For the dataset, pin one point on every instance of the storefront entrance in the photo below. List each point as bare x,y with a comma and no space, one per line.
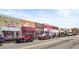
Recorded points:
39,32
10,33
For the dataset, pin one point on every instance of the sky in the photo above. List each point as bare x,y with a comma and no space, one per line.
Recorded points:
66,18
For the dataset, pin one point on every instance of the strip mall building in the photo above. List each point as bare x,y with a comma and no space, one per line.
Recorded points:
49,29
15,27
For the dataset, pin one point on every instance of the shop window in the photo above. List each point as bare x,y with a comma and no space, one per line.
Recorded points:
42,32
46,32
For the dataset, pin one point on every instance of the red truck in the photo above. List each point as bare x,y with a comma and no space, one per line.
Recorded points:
27,35
25,38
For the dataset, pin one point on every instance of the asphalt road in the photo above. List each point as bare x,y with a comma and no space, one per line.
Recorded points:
13,45
70,42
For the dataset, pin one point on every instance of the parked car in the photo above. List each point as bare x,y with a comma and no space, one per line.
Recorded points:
1,39
25,38
43,37
69,34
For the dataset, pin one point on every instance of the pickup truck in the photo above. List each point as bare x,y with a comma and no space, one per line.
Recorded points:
25,38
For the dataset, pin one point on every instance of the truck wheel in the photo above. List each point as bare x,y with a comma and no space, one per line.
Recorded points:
17,41
25,41
39,38
22,40
1,43
31,40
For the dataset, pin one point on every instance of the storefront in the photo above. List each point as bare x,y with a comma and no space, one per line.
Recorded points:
39,29
47,28
9,27
51,31
10,32
55,30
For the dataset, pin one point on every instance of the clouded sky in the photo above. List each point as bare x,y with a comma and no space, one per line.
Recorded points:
60,17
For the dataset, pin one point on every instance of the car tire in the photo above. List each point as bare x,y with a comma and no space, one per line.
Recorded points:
0,44
17,41
40,39
31,40
22,41
25,41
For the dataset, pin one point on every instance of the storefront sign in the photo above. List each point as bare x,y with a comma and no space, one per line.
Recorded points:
11,25
9,29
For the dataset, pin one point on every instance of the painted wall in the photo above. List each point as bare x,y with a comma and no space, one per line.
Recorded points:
7,21
26,23
47,27
2,20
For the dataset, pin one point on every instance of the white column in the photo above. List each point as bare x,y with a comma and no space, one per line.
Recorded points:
14,34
